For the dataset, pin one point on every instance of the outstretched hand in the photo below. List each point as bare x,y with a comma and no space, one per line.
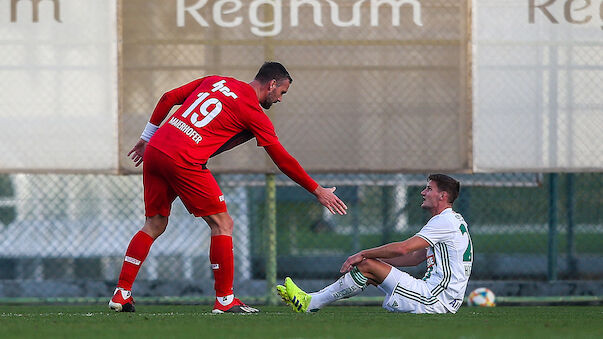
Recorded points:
329,200
137,152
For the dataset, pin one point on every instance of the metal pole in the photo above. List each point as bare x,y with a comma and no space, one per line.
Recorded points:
553,163
271,262
552,246
355,222
271,297
571,246
387,198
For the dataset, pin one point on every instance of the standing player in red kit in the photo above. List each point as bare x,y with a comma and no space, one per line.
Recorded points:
216,114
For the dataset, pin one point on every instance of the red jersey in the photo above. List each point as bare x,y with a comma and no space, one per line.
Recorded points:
217,113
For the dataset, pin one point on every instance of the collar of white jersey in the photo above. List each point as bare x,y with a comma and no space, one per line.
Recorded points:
447,210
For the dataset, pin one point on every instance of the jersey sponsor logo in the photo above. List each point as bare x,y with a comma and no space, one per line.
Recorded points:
219,86
430,266
215,266
430,260
221,198
467,270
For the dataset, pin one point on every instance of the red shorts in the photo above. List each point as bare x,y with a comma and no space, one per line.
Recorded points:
164,180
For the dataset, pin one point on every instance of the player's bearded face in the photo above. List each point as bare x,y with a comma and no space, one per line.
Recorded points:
275,94
270,99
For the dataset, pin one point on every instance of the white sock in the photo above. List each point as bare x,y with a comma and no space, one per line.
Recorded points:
349,285
226,300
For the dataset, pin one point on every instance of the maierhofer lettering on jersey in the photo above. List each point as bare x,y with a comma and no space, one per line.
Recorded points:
186,129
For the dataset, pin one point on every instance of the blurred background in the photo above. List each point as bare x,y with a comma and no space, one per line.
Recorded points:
504,95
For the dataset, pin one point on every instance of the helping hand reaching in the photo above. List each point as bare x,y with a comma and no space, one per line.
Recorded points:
329,200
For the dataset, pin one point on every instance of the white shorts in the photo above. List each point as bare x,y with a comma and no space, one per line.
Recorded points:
404,293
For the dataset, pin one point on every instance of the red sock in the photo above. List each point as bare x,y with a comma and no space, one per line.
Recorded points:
135,255
222,264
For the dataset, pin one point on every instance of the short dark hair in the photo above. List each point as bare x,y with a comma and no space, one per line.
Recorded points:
447,184
272,70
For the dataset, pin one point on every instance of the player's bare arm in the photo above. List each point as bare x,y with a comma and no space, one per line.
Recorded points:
411,259
387,251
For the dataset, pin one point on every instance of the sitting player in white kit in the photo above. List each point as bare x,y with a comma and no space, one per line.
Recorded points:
445,244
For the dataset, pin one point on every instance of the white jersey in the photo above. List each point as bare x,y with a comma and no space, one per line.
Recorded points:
449,257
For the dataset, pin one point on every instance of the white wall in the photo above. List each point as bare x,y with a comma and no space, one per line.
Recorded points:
538,86
59,86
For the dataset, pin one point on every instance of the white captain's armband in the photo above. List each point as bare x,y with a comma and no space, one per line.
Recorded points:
148,132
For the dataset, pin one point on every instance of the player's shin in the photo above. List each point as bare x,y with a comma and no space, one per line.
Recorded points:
137,252
222,261
349,285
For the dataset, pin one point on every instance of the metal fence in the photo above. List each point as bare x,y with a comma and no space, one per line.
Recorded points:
506,87
368,78
536,86
65,235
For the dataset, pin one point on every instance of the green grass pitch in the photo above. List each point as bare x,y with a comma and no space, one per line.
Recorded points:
195,321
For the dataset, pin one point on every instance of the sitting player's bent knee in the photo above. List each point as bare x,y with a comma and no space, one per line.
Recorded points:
374,270
366,266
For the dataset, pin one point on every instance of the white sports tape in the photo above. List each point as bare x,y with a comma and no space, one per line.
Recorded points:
148,132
